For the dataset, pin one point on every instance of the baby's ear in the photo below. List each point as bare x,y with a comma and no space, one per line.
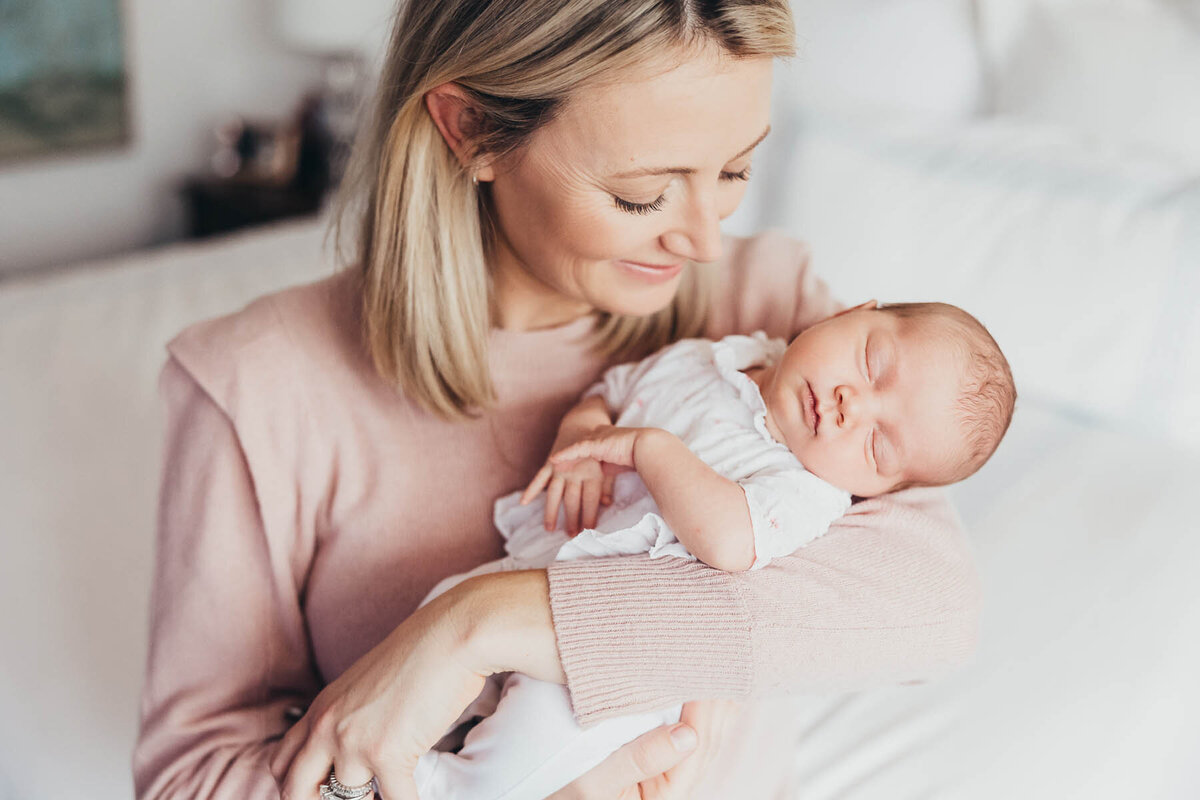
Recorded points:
867,306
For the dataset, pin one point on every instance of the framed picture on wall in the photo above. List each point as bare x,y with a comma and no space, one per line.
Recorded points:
62,77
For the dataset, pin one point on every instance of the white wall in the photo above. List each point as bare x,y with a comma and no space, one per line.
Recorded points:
190,63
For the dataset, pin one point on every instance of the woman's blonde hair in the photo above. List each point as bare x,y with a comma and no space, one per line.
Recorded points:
423,228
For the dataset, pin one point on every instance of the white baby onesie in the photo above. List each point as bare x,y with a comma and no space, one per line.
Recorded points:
530,745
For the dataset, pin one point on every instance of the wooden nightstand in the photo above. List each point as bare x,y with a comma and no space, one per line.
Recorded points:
219,206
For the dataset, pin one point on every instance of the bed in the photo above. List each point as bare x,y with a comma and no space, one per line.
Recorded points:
1072,233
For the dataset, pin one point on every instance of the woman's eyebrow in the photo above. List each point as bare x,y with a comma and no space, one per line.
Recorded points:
644,171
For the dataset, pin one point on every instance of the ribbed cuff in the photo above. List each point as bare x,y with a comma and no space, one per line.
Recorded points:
637,633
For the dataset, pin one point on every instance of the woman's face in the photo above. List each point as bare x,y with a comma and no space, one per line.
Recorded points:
609,201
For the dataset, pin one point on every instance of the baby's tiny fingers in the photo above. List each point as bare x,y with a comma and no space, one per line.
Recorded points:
606,489
553,498
571,506
590,502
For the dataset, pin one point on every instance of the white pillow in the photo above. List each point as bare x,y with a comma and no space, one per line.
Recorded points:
916,57
1082,261
1125,70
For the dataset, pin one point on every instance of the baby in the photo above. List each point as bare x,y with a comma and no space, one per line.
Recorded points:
733,452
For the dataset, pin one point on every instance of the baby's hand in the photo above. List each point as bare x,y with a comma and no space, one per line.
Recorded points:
610,445
580,485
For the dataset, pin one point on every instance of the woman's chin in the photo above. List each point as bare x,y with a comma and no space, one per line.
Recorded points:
629,296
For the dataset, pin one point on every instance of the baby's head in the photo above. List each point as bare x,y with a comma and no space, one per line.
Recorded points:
877,399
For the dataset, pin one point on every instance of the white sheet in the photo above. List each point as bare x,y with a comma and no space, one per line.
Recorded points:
80,443
1084,686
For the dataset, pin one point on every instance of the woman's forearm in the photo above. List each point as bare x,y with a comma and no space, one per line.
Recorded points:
506,624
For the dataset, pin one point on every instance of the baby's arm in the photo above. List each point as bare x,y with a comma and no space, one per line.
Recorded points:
707,512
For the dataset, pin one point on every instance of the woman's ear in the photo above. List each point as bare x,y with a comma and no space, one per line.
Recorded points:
456,118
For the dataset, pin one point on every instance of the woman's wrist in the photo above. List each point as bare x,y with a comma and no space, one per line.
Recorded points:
505,625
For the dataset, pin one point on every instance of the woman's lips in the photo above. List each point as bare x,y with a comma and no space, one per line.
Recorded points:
652,273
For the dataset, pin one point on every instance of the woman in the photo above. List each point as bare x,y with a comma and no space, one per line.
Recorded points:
540,194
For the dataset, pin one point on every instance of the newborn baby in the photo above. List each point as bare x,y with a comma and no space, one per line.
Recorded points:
732,452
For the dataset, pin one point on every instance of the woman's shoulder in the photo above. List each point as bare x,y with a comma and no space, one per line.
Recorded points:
279,342
766,282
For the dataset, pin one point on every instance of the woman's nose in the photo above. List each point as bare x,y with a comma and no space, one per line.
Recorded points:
698,236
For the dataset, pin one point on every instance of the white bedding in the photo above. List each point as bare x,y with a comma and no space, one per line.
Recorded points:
1082,255
1084,685
80,441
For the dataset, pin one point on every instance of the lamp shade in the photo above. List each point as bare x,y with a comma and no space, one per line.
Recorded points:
335,26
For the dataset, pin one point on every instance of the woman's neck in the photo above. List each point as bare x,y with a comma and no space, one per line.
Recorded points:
520,302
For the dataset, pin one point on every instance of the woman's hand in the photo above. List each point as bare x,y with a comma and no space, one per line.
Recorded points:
396,701
657,765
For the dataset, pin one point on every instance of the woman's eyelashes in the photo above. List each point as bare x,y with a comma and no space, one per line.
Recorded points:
641,208
631,207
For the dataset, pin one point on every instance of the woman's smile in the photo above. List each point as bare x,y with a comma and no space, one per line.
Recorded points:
652,273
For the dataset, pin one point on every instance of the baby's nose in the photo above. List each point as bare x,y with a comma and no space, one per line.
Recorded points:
849,405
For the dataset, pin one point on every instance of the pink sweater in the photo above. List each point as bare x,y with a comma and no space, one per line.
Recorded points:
306,508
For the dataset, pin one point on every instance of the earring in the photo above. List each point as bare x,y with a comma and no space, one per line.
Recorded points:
475,180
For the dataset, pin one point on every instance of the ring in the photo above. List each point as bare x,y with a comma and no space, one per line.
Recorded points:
336,790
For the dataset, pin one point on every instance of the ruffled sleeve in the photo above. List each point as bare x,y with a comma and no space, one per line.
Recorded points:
789,507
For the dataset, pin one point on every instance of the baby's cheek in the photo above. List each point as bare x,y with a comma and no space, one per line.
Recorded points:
834,463
820,458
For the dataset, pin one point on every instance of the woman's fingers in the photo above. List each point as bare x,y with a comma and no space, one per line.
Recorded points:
647,756
710,719
402,788
351,772
291,743
308,771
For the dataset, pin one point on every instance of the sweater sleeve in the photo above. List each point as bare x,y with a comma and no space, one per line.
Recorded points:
228,652
889,594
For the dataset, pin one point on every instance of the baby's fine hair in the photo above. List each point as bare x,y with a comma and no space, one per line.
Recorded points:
985,405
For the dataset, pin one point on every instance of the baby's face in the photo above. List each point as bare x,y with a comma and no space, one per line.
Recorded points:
866,400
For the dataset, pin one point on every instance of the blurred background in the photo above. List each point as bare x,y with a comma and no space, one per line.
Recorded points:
120,120
1034,161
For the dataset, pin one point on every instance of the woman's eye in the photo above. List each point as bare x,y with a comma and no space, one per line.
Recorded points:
640,208
744,175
